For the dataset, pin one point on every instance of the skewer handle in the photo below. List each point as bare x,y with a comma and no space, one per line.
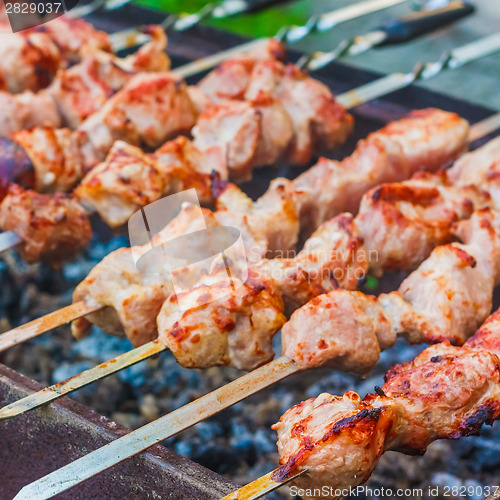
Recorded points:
424,21
45,323
423,71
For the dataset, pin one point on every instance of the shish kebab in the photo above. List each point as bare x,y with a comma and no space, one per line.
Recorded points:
464,276
129,178
392,154
83,90
77,92
446,392
30,59
337,255
370,91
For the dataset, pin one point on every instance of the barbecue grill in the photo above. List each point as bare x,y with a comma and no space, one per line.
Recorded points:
237,443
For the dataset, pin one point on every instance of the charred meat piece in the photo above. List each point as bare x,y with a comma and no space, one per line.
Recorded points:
446,392
53,228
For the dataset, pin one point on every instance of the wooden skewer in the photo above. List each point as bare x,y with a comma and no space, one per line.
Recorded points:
263,485
162,428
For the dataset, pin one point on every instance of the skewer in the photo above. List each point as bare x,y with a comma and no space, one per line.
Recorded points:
483,344
183,418
49,321
413,26
351,98
391,32
449,60
157,431
87,377
224,9
424,23
263,485
325,22
86,10
83,379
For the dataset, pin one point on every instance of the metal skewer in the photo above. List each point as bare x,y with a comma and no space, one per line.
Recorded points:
224,9
391,32
162,428
87,9
263,485
409,24
291,34
385,85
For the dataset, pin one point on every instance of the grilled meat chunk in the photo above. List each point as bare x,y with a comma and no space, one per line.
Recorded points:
53,228
235,328
27,110
129,179
30,59
55,156
402,222
446,392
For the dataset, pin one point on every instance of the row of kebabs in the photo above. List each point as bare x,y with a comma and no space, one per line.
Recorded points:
397,227
266,112
445,299
446,392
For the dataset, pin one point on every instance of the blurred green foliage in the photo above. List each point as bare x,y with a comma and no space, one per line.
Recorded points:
265,23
